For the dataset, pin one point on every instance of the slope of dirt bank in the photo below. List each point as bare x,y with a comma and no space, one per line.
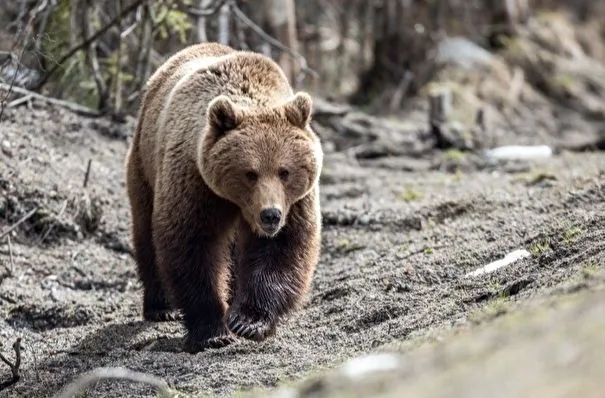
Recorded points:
398,241
554,349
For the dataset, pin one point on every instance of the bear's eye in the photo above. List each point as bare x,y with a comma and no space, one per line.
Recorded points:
251,176
283,174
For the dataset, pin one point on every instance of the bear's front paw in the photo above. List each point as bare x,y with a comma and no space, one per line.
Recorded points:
249,328
194,345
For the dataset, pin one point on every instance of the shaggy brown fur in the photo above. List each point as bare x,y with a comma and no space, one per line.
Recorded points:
222,177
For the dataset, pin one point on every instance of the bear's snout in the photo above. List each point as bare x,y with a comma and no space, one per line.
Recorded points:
270,219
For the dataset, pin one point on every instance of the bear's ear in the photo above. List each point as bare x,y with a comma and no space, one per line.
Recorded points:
223,115
298,109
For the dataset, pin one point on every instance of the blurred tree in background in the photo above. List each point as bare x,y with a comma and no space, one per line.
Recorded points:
370,52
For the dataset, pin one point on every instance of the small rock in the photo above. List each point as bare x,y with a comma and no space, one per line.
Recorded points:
364,219
372,363
7,149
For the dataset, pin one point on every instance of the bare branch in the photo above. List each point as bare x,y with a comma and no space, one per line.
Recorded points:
21,221
13,366
99,374
78,109
19,101
87,174
10,254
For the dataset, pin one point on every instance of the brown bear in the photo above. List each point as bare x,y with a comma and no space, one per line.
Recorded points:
223,181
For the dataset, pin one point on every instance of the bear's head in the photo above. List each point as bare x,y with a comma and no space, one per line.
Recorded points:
264,161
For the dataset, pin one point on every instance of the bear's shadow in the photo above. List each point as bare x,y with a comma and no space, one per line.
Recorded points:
119,336
94,351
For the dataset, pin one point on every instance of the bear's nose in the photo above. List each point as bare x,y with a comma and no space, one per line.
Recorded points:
270,216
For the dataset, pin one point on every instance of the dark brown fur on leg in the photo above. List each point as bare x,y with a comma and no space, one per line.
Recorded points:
192,245
274,274
156,307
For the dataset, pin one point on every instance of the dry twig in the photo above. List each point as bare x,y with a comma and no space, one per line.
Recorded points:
78,109
19,101
99,374
13,366
21,221
11,257
87,175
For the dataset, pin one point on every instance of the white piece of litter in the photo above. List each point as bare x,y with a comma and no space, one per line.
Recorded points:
520,152
503,262
369,364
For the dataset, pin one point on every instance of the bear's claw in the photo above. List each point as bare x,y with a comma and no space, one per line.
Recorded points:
250,329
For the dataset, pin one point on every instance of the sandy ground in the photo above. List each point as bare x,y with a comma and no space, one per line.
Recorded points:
399,238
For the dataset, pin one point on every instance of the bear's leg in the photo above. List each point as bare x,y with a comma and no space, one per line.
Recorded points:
191,236
156,307
273,275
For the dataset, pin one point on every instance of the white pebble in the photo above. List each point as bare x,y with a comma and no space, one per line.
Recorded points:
370,364
7,148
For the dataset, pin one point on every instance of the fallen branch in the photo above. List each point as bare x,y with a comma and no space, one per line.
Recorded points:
88,41
13,366
11,257
87,174
99,374
21,221
78,109
19,101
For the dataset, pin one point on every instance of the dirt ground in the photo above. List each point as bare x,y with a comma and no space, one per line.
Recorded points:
400,234
547,348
